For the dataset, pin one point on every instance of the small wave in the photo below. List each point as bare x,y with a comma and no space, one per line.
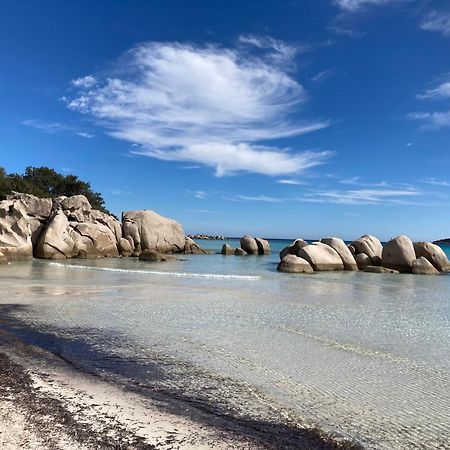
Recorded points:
158,272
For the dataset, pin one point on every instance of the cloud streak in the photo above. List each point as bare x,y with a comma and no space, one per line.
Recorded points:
204,104
354,5
437,21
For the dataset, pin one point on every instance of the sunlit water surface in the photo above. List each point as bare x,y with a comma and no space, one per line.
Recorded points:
362,355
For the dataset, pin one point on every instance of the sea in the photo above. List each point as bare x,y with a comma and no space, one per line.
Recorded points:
361,357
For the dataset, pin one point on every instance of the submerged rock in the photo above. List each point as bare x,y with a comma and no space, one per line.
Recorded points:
240,252
190,246
399,254
379,269
294,264
421,266
153,255
3,259
321,257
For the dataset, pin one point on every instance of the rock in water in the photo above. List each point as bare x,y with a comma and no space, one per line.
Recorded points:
363,260
434,254
153,255
343,251
263,246
399,254
369,245
379,269
191,247
227,249
321,257
421,266
3,258
249,245
294,248
294,264
125,247
240,252
147,230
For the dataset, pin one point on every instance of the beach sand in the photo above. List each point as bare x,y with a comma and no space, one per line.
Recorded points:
47,404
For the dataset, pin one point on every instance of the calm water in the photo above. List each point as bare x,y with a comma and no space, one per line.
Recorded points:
364,356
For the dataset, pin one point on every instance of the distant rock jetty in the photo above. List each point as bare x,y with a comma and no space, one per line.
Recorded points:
445,241
399,255
207,237
68,227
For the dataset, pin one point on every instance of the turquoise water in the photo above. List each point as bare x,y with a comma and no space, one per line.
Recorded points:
362,356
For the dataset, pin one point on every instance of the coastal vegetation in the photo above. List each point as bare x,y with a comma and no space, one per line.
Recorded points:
44,182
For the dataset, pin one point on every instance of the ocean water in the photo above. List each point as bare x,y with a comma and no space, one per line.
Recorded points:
362,356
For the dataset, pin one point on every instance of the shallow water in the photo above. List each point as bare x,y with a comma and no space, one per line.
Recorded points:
364,356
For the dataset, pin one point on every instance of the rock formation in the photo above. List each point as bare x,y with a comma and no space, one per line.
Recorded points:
263,246
294,248
147,230
399,254
249,245
434,254
368,245
240,252
3,259
227,250
153,255
294,264
321,257
421,266
343,251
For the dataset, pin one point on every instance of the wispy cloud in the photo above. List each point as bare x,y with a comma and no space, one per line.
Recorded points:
437,21
216,116
54,127
197,194
440,92
354,5
254,198
322,76
291,181
436,182
432,120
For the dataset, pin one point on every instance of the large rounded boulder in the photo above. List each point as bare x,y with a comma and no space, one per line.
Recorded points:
363,261
249,245
370,246
227,249
147,230
421,266
434,254
294,264
263,246
294,248
343,251
399,254
321,257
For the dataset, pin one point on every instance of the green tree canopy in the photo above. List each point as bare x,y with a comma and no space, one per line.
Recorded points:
46,182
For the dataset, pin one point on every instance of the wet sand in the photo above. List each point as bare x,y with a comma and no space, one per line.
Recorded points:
46,403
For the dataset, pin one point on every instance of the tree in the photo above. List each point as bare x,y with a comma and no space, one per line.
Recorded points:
46,182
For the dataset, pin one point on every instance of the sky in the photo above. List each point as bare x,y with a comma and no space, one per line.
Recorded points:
286,119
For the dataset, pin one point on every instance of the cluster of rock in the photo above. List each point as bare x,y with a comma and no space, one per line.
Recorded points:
248,246
207,237
399,255
68,227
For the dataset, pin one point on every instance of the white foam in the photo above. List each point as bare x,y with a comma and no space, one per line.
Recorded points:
158,272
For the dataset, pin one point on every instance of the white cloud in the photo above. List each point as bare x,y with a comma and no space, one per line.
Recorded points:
432,120
254,198
197,194
291,181
438,22
353,5
442,91
436,182
54,127
205,105
85,82
364,196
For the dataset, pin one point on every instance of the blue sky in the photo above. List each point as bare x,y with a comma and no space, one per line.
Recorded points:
279,118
